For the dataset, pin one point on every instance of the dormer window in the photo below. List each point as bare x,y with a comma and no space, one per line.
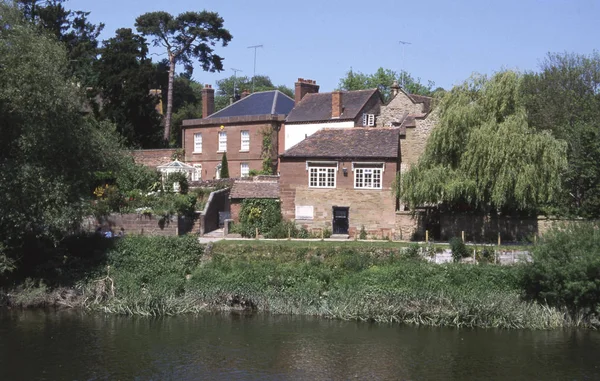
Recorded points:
368,120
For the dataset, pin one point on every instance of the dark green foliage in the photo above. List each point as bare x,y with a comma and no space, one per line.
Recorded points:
224,171
73,29
459,249
49,151
283,229
565,271
134,177
125,78
264,214
177,177
563,98
188,37
413,251
156,265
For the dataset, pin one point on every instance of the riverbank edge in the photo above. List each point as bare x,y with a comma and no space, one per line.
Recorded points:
489,310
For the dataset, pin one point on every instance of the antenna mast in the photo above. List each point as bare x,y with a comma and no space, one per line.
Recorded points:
235,71
403,77
254,75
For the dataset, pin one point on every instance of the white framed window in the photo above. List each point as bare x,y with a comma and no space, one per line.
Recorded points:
368,120
197,174
222,141
245,169
367,175
245,138
197,142
321,174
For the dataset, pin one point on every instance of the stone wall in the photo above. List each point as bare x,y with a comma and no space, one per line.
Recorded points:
143,224
412,146
401,104
373,209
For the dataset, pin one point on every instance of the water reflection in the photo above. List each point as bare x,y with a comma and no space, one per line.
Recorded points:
35,345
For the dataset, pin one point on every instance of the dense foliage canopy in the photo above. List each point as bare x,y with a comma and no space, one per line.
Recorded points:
484,155
186,38
49,150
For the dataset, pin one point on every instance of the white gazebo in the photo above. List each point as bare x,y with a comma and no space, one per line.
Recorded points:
176,166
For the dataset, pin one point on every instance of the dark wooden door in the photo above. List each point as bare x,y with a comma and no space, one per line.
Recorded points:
340,219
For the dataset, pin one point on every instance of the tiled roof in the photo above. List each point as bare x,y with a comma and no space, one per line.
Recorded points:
317,106
355,142
255,188
422,99
272,102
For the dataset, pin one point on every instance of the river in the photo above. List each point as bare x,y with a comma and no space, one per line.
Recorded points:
70,345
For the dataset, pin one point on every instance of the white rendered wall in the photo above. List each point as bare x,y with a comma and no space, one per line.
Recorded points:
295,133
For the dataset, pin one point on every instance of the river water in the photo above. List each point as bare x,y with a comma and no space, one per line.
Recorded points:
68,345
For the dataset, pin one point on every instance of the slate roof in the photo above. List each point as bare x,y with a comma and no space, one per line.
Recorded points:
317,106
254,188
355,142
422,99
271,102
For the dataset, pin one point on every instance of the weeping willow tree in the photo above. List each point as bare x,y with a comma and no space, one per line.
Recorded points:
483,154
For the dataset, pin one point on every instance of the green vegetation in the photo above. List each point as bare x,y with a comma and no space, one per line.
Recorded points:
484,154
565,270
383,79
382,281
459,249
224,170
188,37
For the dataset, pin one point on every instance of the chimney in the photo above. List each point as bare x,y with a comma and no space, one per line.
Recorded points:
245,93
208,101
395,88
303,87
336,104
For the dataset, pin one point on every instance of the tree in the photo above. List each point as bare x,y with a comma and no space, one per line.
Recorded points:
73,29
383,79
125,77
483,154
49,150
224,170
187,37
564,98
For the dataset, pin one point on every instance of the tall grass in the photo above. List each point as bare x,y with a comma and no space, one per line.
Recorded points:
164,276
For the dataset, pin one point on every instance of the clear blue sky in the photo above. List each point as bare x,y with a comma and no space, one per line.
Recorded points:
322,39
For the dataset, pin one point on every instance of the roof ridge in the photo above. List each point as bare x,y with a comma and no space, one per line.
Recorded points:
274,102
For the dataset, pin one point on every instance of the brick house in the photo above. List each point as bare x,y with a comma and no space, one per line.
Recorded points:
238,129
341,179
314,111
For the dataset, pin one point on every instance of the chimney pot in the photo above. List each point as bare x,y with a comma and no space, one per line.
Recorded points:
208,100
303,87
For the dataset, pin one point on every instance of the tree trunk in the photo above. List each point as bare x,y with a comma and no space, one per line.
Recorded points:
167,132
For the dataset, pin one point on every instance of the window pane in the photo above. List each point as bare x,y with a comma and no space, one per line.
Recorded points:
245,138
198,142
222,141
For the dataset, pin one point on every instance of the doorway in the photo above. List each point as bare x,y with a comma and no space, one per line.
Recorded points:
340,219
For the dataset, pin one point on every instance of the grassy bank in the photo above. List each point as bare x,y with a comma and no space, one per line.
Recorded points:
376,282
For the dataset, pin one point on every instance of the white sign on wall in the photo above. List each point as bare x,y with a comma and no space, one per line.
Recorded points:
304,212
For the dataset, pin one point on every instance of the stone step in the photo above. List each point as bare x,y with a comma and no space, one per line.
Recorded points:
340,236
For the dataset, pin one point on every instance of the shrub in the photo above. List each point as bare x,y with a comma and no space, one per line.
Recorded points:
565,271
177,177
412,251
282,230
263,214
224,172
459,249
363,233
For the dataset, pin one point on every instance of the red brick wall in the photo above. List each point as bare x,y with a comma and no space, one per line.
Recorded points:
210,158
153,157
235,208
